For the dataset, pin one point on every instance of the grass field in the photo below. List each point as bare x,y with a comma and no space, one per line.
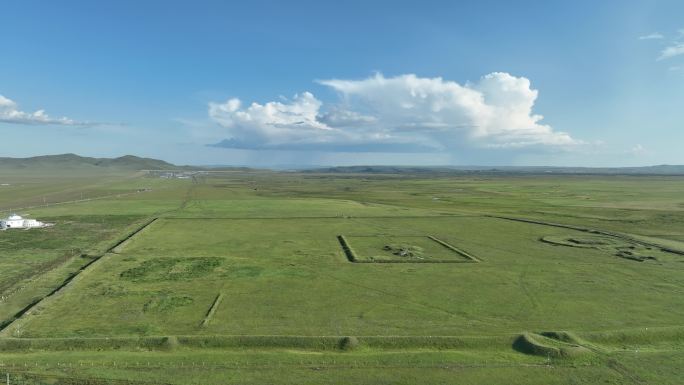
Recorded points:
246,278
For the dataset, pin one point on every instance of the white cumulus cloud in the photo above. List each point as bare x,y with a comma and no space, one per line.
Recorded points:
637,149
401,113
10,113
674,47
652,36
273,123
673,50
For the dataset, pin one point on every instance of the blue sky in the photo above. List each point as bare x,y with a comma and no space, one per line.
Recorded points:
353,82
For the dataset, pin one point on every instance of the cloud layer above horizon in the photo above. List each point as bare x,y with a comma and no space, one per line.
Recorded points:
404,113
10,113
671,49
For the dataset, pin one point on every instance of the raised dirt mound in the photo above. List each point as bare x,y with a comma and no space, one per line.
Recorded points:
618,247
540,345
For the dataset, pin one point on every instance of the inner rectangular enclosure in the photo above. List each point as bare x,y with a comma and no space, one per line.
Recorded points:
385,248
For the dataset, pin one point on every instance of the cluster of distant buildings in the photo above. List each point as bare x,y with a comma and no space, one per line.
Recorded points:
176,175
15,221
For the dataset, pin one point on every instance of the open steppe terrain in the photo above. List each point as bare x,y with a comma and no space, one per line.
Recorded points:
257,277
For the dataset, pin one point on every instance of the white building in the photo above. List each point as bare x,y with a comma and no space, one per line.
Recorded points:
15,221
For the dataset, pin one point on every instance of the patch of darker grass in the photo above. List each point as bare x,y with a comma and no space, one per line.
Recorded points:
348,343
115,291
171,269
166,302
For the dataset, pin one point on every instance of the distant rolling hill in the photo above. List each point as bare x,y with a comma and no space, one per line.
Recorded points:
646,170
75,162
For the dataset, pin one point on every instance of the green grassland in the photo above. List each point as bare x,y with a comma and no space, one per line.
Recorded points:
242,277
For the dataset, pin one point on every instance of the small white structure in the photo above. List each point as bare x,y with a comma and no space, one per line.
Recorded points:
15,221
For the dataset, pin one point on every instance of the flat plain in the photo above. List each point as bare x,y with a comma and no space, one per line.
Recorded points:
308,278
